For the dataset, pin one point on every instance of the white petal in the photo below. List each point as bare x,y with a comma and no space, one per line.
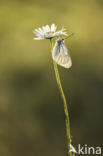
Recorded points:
64,33
41,30
53,28
60,32
38,38
47,28
63,28
38,33
44,29
72,149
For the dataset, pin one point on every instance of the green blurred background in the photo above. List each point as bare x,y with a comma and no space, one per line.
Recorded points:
32,121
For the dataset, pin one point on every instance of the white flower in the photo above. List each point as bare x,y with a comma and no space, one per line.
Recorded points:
47,32
72,149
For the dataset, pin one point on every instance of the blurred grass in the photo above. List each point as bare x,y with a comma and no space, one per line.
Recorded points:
31,111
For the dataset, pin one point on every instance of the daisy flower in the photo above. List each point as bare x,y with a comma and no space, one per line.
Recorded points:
47,32
72,149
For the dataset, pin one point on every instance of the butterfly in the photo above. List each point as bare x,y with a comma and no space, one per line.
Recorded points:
60,54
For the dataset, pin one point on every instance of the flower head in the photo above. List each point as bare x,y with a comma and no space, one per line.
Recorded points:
72,149
47,32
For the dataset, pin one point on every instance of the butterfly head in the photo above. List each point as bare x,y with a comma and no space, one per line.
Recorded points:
60,40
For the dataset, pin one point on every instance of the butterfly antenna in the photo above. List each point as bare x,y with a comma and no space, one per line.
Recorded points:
69,35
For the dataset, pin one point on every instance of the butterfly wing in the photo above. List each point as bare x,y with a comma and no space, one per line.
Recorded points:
61,56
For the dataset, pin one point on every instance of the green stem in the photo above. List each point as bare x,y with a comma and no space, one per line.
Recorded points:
64,100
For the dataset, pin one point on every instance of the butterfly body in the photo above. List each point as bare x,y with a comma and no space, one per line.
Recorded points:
60,54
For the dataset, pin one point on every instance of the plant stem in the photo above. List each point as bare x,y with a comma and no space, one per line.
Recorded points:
64,100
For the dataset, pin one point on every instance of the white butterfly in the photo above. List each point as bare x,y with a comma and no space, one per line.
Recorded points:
60,54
